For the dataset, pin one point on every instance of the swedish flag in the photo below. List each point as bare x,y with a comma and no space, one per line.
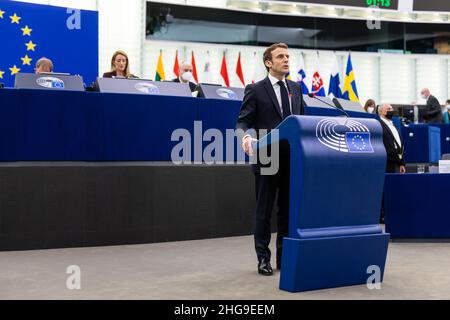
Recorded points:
350,89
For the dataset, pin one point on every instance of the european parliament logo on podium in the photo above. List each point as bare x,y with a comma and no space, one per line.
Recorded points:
344,135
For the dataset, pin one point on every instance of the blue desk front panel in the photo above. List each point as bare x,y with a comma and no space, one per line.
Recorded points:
445,137
38,125
417,206
78,126
422,143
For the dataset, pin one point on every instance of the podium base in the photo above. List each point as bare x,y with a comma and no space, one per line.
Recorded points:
321,263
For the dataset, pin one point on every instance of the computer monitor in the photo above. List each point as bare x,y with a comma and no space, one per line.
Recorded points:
49,81
218,92
142,86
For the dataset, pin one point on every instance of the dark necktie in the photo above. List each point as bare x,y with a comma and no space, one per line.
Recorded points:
285,105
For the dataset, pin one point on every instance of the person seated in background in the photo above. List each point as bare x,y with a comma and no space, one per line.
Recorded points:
120,67
433,112
186,76
370,105
43,65
447,112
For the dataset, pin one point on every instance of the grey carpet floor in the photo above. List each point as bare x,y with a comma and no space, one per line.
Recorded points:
204,269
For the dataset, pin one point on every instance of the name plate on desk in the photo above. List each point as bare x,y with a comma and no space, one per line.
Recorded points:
49,81
321,102
218,92
351,105
139,86
444,166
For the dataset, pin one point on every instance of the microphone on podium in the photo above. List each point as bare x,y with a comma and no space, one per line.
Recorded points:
337,105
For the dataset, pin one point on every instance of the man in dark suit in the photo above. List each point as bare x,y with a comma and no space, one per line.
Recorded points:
266,104
395,161
433,113
185,72
392,141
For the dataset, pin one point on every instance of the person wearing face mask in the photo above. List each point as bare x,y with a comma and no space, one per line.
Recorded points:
433,112
392,141
395,162
369,107
186,76
447,112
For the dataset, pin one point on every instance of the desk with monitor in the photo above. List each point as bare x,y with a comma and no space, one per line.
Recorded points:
49,81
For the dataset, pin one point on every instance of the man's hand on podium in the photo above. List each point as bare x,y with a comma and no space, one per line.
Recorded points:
247,145
402,169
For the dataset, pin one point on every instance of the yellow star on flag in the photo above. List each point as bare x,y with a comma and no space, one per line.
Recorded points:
26,31
30,46
15,18
26,60
14,70
1,14
1,74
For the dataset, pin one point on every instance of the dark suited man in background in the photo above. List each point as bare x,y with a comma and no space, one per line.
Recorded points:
433,112
395,161
186,76
392,142
266,104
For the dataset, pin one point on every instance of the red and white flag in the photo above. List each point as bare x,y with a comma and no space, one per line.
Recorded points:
176,66
194,68
239,72
224,71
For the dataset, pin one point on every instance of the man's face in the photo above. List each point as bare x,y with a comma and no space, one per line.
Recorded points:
280,61
425,93
386,109
185,68
42,68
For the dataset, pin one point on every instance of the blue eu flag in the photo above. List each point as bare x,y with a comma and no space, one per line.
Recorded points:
29,31
358,142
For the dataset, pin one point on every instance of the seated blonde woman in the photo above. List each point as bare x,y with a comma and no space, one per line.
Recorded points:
120,67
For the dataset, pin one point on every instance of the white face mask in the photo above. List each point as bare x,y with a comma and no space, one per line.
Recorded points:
370,109
423,97
448,107
187,76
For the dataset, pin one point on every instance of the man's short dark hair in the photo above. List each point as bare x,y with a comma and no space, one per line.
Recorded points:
267,56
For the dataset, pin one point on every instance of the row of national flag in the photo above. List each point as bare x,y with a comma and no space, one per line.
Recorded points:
160,74
349,91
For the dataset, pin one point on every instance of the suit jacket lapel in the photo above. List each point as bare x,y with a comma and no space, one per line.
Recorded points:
391,134
273,97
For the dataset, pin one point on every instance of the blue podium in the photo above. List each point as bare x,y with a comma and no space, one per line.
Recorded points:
336,184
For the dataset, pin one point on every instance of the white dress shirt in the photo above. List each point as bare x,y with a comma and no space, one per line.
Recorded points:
277,89
393,129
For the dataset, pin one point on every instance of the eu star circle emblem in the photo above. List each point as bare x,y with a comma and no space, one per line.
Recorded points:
358,142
